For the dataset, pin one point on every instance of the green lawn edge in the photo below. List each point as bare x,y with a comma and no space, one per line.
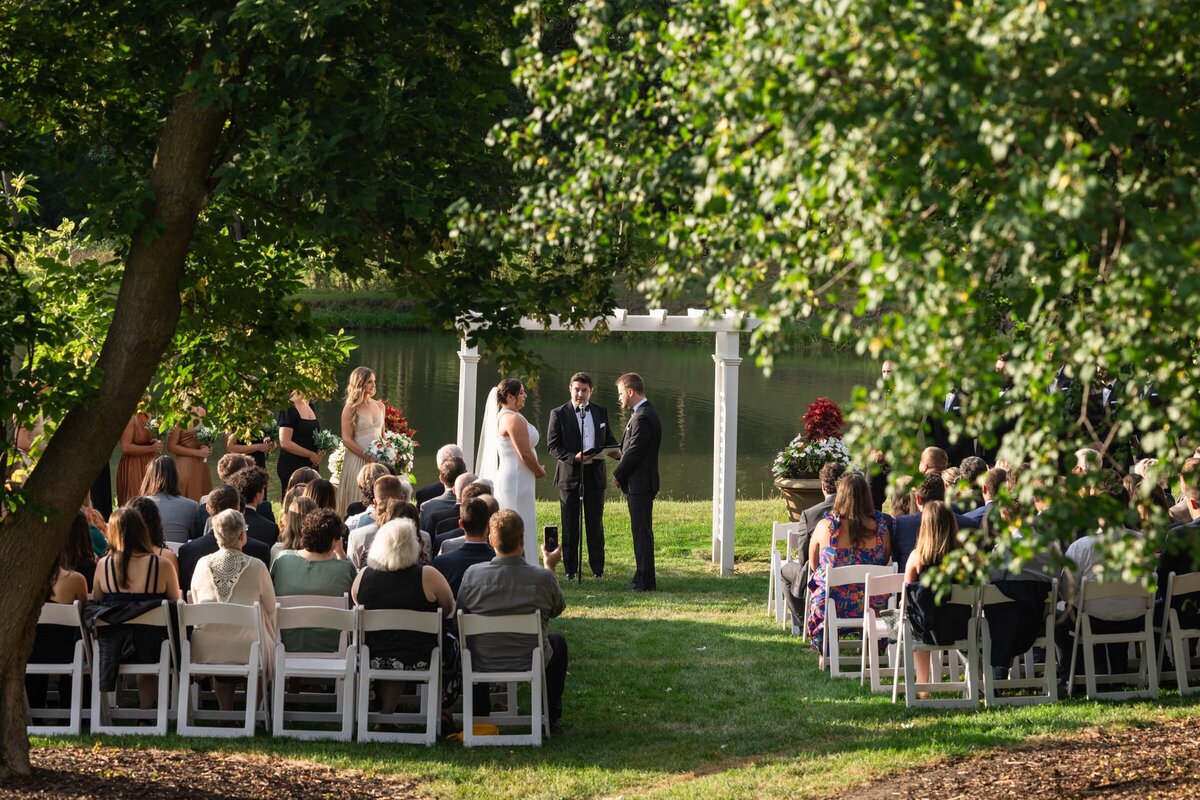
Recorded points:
694,692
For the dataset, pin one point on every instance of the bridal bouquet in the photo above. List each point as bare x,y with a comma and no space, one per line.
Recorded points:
395,450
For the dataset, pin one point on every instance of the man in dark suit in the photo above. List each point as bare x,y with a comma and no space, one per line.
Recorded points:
219,499
445,505
575,428
251,484
908,527
637,474
435,489
956,446
794,574
475,548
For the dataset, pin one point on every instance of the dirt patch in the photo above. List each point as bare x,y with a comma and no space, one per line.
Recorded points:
1160,761
107,772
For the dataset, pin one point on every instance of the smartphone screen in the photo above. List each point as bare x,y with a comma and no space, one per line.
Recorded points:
551,538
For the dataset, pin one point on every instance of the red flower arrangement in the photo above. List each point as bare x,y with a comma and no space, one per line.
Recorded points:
395,422
823,420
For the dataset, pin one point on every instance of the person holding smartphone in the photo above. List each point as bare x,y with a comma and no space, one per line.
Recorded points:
578,433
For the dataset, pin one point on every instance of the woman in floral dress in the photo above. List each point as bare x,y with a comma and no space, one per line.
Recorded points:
852,533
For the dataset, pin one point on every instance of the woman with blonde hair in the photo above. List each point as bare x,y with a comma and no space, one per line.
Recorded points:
939,530
297,508
362,423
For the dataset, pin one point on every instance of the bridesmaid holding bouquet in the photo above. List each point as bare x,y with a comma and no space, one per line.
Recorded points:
139,446
191,456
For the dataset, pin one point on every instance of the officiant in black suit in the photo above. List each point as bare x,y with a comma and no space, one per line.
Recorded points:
575,428
637,474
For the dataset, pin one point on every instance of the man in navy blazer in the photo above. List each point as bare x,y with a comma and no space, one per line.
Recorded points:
993,479
908,527
637,474
575,428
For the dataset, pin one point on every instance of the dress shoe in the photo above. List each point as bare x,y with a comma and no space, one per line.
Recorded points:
570,576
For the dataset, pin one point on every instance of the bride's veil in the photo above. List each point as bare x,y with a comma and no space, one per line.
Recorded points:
487,460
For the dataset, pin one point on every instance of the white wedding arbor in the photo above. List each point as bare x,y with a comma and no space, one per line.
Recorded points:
726,328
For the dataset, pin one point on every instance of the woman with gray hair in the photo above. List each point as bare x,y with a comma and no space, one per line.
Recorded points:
231,576
395,579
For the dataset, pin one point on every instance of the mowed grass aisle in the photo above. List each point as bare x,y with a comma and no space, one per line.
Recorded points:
693,692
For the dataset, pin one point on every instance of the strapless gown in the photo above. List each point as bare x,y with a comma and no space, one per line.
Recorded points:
515,487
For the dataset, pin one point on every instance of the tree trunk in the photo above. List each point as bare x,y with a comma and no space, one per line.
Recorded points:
144,322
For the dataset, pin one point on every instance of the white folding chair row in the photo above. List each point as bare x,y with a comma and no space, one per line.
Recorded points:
781,533
41,719
1143,639
836,577
1183,640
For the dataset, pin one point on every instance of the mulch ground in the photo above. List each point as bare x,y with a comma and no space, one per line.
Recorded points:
1161,761
107,772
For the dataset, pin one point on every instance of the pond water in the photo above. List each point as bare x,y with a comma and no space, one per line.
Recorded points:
419,372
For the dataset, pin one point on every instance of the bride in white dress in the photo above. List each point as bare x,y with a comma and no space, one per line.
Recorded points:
507,457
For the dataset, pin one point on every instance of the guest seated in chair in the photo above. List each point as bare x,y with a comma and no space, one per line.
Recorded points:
314,569
938,532
231,576
394,579
852,533
509,585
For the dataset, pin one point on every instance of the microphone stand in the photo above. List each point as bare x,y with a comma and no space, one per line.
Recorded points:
582,469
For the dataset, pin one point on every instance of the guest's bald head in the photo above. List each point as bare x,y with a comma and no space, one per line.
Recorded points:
934,459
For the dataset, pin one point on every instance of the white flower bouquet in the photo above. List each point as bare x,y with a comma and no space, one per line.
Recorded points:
394,449
336,459
206,437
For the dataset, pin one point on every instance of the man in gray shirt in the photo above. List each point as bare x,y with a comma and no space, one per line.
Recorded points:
509,585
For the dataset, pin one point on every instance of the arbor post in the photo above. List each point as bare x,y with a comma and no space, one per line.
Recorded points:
468,381
725,411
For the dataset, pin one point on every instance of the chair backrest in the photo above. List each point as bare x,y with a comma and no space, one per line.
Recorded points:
475,624
338,619
1188,583
391,619
218,614
446,525
156,616
63,614
309,600
787,532
962,596
1108,590
890,583
174,547
855,573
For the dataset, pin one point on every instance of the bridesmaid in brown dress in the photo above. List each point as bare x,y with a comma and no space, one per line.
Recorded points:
194,479
138,449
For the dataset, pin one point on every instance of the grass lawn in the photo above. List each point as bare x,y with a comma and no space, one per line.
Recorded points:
693,692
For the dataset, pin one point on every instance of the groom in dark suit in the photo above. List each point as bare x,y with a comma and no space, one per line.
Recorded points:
576,427
637,474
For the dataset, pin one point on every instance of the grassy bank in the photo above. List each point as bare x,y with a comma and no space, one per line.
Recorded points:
692,692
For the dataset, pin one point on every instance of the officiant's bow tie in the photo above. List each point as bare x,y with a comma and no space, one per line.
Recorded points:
582,409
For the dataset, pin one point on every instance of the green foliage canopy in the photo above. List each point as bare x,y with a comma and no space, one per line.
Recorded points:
937,183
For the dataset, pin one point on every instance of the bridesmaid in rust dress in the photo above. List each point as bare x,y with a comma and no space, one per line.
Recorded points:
138,449
191,459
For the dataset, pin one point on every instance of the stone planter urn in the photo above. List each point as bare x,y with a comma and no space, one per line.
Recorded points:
800,493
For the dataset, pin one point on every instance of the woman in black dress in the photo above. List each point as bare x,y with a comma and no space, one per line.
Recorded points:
297,424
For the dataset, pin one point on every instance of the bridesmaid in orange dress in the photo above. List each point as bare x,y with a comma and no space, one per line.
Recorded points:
138,449
194,479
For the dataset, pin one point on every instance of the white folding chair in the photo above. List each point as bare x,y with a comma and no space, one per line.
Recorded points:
781,532
836,577
991,600
964,651
338,666
1183,640
66,616
106,707
539,719
875,629
174,547
226,615
1139,597
429,680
